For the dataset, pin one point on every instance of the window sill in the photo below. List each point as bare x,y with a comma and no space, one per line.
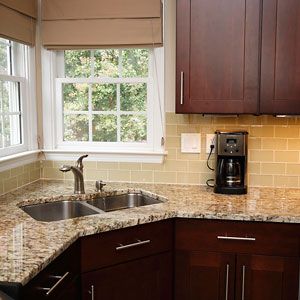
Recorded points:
17,160
108,156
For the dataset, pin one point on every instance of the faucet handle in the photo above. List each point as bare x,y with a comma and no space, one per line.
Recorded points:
79,163
99,185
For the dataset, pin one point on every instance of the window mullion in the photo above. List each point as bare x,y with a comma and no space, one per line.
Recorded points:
118,114
90,114
119,97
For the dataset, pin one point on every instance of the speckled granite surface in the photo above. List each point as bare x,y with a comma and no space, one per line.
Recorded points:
27,246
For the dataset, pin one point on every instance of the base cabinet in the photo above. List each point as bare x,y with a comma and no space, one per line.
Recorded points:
148,279
204,275
217,260
224,276
261,277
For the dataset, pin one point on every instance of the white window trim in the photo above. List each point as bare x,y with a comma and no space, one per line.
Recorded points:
29,118
153,153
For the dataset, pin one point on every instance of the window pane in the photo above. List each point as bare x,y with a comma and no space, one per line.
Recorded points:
4,58
77,63
104,128
133,97
12,130
104,97
9,96
133,128
1,134
135,62
76,96
106,63
76,128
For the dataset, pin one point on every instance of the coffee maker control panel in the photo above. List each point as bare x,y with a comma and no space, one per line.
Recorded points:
231,145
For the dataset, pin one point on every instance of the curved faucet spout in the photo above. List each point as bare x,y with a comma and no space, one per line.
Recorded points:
78,175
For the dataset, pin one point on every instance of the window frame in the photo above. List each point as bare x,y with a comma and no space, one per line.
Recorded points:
152,151
25,64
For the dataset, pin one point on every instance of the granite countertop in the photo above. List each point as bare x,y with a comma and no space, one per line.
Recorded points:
27,246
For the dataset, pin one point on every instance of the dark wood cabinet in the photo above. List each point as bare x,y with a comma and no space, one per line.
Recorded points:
59,280
238,57
241,267
204,275
147,278
261,277
280,58
131,263
217,56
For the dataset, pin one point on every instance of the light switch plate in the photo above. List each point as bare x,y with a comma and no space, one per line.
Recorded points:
191,143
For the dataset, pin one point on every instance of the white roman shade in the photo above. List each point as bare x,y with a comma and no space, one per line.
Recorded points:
69,24
18,20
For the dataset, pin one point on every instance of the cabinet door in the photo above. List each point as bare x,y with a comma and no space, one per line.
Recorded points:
280,73
261,277
201,275
148,279
217,56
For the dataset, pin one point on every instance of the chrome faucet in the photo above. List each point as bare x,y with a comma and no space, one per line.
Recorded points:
78,174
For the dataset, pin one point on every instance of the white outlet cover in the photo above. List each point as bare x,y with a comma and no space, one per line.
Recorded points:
210,140
191,143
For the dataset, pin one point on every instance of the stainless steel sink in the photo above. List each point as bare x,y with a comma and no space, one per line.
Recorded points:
60,210
111,203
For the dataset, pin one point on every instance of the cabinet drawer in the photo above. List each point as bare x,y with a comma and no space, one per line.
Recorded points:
122,245
55,278
241,237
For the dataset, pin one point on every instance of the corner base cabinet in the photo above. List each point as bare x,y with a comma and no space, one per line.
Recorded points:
148,279
217,260
131,264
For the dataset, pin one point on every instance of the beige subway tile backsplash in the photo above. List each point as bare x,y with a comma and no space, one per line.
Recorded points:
19,176
274,153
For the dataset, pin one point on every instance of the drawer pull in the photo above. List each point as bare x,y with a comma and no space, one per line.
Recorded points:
61,279
236,238
138,243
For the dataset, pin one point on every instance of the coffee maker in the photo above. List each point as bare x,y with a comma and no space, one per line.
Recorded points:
231,162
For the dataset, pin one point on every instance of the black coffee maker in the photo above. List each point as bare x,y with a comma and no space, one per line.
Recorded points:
231,162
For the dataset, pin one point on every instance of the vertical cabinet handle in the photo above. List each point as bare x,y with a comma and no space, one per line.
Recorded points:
181,87
92,292
243,282
227,281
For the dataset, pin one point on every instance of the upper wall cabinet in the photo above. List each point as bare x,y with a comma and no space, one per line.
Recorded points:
238,56
280,64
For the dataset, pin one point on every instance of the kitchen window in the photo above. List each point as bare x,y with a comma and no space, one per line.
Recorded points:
108,101
13,97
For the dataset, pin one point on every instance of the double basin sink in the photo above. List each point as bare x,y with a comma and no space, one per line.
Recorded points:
66,209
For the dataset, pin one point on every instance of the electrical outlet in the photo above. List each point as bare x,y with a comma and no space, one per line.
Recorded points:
210,140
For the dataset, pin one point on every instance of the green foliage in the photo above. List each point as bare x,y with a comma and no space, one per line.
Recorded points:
133,128
104,97
77,63
76,96
133,96
3,59
9,104
106,63
76,128
105,128
110,63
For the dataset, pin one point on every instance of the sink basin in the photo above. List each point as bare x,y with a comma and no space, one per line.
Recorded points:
60,210
111,203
